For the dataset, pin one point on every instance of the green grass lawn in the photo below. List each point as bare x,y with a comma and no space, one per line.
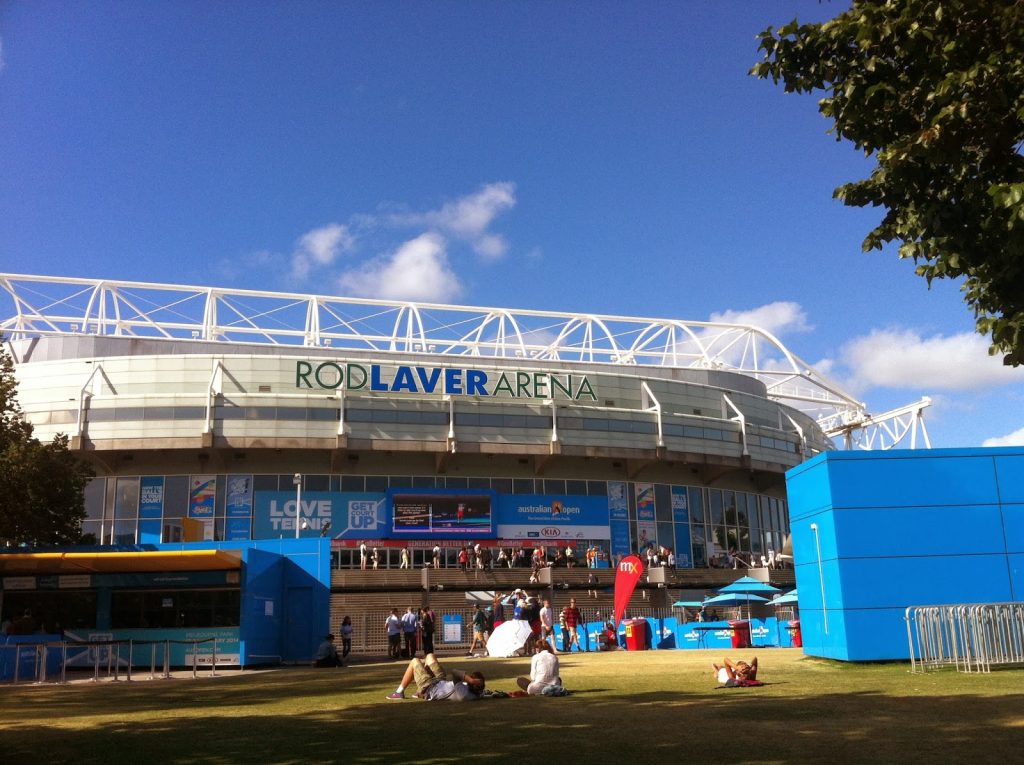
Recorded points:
647,708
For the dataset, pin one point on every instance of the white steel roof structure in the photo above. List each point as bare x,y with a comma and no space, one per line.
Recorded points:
49,305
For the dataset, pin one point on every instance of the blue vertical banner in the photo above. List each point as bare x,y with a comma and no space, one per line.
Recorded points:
151,508
618,503
238,510
681,516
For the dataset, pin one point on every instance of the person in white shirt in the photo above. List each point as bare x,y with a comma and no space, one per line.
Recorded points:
393,625
437,556
547,625
362,556
405,558
544,670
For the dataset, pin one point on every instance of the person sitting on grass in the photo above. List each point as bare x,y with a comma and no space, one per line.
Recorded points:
432,683
739,674
544,671
327,654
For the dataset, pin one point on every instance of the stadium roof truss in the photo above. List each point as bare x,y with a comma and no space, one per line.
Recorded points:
48,305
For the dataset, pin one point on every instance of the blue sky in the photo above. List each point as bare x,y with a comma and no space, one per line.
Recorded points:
590,156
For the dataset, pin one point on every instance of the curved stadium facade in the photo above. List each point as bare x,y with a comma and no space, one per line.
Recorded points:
213,414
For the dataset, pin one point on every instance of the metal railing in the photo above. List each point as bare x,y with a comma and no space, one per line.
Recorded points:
112,660
370,638
970,637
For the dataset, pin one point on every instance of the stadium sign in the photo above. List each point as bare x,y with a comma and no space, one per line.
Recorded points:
330,375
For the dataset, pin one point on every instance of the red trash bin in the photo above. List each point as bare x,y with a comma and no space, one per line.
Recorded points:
740,633
636,634
794,631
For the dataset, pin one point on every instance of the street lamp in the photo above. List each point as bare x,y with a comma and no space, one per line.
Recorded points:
297,480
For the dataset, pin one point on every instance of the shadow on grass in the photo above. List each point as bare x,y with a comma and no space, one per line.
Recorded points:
341,716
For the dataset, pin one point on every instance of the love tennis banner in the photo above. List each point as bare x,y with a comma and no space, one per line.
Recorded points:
629,573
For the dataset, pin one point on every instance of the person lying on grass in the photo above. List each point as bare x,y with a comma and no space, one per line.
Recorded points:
432,683
731,675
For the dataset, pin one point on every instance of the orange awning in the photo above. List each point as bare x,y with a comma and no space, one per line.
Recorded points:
119,562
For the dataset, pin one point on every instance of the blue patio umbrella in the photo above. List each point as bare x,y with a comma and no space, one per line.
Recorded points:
734,599
788,599
688,604
750,586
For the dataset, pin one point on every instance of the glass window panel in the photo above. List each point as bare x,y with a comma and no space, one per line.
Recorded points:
502,485
576,487
695,499
423,482
317,483
376,483
597,488
554,486
663,505
353,483
522,486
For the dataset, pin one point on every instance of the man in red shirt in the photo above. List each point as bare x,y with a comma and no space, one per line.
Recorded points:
573,618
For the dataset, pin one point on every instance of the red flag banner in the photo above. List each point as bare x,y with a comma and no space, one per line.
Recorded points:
629,573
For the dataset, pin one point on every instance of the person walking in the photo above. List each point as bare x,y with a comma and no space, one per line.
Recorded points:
479,629
547,625
573,619
405,558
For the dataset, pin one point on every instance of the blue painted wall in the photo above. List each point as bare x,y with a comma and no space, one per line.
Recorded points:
273,570
899,529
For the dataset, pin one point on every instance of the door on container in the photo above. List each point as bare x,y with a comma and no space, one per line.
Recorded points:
299,641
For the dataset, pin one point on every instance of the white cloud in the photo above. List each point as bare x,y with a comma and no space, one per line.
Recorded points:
1016,438
468,218
417,270
778,318
320,247
901,358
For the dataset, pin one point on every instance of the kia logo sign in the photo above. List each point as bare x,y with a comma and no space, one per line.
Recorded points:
550,531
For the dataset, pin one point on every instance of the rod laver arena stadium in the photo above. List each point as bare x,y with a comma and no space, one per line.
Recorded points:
243,417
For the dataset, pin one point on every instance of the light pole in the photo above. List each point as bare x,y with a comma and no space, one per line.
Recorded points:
297,480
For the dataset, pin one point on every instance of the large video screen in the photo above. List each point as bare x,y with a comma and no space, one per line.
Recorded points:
444,513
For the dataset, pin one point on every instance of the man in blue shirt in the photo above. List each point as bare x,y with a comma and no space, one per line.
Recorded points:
410,623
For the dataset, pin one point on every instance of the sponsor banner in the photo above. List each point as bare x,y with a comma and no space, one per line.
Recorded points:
355,515
552,510
618,503
548,534
645,502
627,574
428,544
680,507
151,496
202,496
239,496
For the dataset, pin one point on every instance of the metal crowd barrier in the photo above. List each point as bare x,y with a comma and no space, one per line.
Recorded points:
105,664
971,637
